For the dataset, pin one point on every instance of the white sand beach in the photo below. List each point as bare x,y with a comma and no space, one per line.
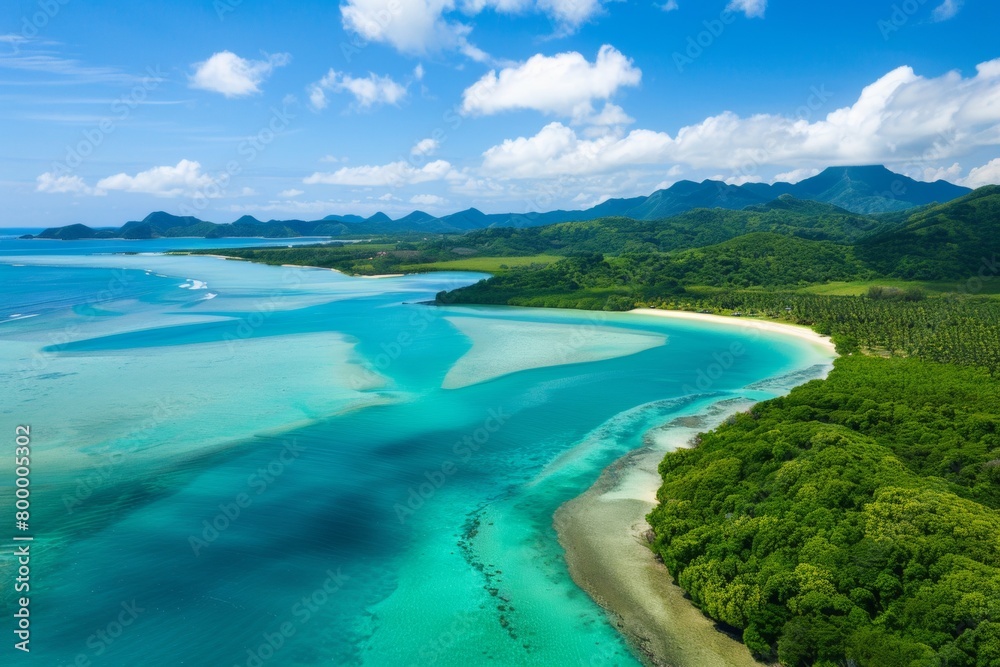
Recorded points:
750,323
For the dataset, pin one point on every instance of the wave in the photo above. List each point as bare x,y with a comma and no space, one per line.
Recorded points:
630,426
787,381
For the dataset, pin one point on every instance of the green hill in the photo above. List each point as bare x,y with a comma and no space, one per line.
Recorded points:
873,189
951,241
766,259
691,229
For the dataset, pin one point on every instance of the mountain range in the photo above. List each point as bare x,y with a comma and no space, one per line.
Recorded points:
863,190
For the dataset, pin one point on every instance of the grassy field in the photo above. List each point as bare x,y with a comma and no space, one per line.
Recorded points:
933,288
485,264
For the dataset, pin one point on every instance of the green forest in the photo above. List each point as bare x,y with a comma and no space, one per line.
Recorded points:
855,521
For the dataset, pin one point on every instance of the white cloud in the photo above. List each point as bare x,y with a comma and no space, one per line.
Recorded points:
557,150
585,200
673,173
368,91
290,206
65,184
317,97
570,14
291,192
428,200
752,8
898,119
30,55
417,27
332,158
795,175
409,26
186,178
670,6
988,174
739,179
611,114
227,73
418,72
565,84
394,174
931,174
946,10
426,146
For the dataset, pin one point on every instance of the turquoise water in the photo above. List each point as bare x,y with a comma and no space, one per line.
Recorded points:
309,469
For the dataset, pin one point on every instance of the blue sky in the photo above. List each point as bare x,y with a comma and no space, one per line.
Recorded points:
219,108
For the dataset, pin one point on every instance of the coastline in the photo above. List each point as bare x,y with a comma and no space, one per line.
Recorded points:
603,534
784,328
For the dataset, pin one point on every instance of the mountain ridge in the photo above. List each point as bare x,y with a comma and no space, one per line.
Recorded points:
871,189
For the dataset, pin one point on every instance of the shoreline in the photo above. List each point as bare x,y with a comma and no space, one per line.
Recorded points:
299,266
784,328
603,534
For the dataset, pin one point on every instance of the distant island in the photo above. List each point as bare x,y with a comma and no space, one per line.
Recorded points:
861,190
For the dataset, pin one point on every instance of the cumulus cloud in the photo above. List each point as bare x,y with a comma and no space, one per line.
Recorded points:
670,6
64,184
946,10
227,73
568,15
931,174
610,115
988,174
426,146
367,92
557,150
409,26
394,174
752,8
291,192
185,178
417,27
428,200
795,175
900,118
565,84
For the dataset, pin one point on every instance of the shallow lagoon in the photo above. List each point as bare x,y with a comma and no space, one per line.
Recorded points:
395,467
